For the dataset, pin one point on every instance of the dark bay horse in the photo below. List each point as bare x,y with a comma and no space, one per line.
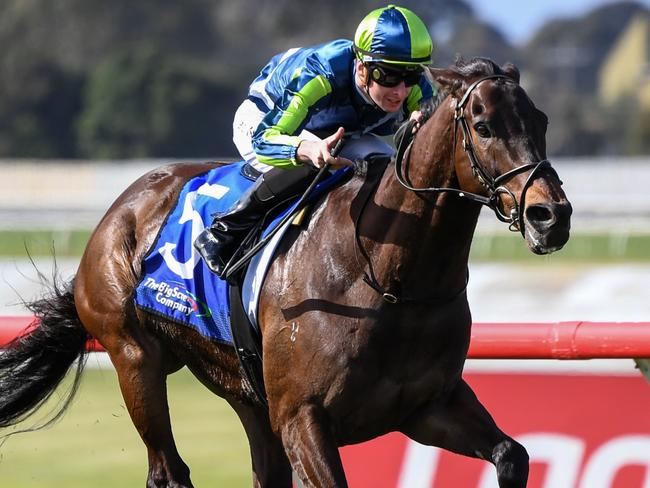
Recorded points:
364,314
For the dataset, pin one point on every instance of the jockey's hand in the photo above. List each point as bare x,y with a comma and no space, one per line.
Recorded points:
417,116
319,153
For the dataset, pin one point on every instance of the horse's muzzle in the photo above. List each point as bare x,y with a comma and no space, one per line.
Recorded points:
547,226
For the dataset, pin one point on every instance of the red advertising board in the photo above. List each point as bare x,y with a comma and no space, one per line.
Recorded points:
581,431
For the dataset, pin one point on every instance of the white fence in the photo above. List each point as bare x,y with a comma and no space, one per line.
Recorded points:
607,194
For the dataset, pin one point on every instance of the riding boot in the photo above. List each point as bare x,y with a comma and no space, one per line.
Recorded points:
217,243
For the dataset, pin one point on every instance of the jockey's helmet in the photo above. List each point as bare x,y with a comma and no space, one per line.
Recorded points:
393,35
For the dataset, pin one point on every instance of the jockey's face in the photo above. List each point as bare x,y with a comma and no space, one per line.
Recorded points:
388,98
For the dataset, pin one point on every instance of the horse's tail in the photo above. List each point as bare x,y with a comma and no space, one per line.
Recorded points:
33,365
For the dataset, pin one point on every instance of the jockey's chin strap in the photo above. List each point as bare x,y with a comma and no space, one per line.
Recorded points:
494,185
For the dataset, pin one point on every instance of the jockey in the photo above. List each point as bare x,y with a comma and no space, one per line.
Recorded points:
302,103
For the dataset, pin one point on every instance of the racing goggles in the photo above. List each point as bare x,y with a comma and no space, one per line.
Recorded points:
390,77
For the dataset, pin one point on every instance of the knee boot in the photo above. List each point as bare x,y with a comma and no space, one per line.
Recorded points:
217,243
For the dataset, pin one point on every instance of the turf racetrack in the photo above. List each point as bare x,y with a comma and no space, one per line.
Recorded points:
95,444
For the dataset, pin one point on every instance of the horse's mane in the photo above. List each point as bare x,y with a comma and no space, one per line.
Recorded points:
431,105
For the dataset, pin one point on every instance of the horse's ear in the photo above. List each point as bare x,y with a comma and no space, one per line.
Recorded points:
449,81
511,70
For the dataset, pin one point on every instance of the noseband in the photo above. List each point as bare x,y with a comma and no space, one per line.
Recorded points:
494,185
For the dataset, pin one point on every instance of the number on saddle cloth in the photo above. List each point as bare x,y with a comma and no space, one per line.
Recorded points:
175,283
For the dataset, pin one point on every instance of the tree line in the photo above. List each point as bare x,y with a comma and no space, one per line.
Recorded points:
161,78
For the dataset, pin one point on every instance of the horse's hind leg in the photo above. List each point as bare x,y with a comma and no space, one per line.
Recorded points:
271,468
140,366
464,426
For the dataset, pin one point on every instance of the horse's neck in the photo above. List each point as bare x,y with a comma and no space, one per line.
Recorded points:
426,238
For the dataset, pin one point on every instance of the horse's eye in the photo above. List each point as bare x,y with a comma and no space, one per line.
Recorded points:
482,130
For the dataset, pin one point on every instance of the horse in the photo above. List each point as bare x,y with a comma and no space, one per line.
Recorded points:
364,314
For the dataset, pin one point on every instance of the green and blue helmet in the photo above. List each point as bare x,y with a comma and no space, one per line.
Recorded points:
393,35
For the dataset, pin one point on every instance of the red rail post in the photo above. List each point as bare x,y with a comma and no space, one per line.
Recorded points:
13,326
560,340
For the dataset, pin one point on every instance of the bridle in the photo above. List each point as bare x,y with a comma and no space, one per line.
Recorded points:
494,185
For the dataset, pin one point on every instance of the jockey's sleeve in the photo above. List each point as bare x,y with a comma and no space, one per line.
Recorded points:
420,93
275,141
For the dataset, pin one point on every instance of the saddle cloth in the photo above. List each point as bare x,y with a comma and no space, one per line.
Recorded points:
176,284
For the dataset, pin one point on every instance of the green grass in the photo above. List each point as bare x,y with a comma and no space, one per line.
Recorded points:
601,247
41,243
95,444
597,247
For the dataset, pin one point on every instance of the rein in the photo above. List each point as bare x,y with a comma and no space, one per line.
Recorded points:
375,173
494,185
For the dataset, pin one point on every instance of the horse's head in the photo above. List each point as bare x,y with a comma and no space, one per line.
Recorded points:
501,151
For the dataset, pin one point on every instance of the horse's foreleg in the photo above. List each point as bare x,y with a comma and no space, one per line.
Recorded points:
464,426
142,379
271,467
312,450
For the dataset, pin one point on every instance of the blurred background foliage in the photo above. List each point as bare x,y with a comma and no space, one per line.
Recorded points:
161,78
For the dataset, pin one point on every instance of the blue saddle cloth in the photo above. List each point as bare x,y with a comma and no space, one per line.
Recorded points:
176,284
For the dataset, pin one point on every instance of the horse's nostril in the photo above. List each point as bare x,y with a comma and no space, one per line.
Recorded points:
538,213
